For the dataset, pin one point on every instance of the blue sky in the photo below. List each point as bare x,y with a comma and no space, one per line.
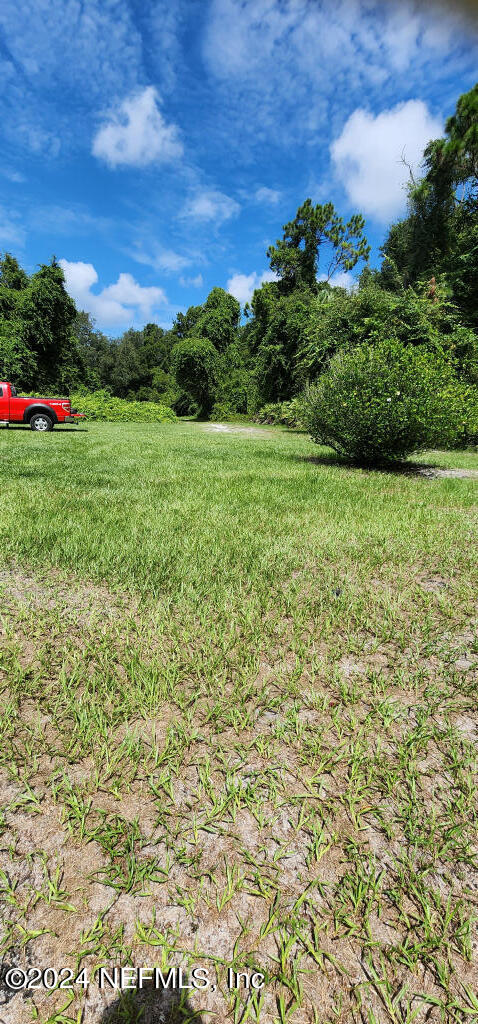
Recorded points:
156,148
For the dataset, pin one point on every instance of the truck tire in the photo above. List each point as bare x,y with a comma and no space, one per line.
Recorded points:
40,421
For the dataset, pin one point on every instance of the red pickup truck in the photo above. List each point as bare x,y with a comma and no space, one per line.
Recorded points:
40,413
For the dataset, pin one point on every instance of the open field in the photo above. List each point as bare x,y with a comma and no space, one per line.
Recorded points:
239,689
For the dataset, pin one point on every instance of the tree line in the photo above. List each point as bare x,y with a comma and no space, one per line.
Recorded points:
424,293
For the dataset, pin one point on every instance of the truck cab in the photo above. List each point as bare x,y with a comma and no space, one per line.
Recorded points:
39,413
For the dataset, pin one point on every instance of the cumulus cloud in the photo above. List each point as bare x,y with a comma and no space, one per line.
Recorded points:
210,205
242,286
136,134
368,155
120,303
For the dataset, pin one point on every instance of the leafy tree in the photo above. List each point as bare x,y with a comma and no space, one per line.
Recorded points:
295,256
461,144
235,381
17,361
185,323
281,309
12,276
277,333
219,319
196,366
95,350
130,370
47,314
440,234
37,315
157,346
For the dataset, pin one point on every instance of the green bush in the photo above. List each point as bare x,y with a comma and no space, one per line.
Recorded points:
223,411
379,403
269,413
289,414
340,319
100,405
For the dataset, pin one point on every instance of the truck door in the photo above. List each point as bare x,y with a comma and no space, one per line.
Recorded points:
4,403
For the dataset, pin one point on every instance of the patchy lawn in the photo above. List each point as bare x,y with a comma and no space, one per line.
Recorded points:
239,685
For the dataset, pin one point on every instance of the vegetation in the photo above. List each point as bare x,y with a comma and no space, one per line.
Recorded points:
239,665
374,314
287,414
37,347
295,256
211,364
380,403
439,237
101,405
238,712
196,368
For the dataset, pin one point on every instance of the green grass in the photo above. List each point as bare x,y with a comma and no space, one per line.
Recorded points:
239,689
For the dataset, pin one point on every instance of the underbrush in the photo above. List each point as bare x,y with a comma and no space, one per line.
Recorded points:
224,411
287,414
100,405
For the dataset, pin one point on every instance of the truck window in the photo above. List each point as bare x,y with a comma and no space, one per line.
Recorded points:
13,392
1,392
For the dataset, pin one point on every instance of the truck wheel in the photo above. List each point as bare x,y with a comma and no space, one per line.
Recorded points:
40,421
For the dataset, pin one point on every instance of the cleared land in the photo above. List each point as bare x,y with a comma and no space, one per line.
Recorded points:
239,688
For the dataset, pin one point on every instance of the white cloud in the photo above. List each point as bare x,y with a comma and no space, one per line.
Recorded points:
270,36
292,69
267,195
242,286
121,303
137,134
210,204
192,282
160,258
367,155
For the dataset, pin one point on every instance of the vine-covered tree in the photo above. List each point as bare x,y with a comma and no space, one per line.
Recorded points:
38,347
439,237
196,367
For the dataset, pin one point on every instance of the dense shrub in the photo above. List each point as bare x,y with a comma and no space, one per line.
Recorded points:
100,405
223,411
289,414
339,319
379,403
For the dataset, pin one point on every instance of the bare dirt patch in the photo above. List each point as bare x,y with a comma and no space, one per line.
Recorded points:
435,473
234,428
52,590
311,818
